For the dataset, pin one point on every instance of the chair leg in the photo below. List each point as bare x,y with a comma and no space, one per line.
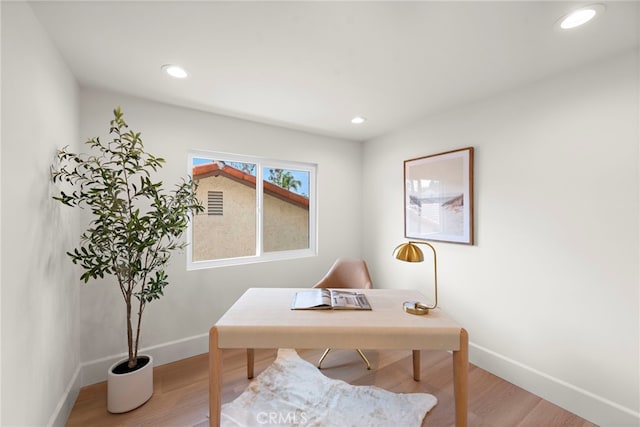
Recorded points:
364,358
322,357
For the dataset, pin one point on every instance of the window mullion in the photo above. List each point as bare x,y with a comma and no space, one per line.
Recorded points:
259,210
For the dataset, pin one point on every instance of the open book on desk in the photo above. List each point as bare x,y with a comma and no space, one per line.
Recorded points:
330,299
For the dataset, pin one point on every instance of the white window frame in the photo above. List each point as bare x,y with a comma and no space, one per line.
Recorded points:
260,256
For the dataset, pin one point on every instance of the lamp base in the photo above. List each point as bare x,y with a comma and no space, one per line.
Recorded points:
414,307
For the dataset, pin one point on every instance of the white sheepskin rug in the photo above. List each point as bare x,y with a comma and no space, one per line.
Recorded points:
293,392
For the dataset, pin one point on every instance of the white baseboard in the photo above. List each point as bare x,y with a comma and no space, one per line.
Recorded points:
95,371
583,403
63,409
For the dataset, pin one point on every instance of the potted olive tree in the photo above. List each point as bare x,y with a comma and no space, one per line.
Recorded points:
135,226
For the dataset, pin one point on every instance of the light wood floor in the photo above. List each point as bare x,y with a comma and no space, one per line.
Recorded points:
180,396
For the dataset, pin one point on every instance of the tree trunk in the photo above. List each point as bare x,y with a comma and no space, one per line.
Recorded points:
132,359
140,309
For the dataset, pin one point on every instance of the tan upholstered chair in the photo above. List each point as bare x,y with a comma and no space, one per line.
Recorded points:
346,273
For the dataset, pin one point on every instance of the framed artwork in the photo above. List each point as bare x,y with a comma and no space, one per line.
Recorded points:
438,197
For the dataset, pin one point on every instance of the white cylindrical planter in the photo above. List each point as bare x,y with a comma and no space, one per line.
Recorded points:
130,390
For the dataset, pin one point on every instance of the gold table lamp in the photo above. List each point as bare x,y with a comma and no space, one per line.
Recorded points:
409,252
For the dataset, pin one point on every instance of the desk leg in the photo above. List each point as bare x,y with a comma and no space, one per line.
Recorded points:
215,378
250,359
461,379
416,365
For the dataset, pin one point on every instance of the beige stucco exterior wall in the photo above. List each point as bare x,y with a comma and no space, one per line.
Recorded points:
286,225
234,233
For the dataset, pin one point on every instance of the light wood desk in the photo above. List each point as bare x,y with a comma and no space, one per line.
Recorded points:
262,318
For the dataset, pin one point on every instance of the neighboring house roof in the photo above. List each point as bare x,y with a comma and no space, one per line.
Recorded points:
220,169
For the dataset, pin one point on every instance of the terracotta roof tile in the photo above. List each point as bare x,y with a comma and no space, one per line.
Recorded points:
220,169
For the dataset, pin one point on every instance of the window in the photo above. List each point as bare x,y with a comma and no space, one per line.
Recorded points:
256,210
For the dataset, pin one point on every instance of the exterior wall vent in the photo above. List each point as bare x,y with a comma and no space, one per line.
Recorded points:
214,203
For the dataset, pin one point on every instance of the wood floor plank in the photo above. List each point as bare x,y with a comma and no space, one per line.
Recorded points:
180,396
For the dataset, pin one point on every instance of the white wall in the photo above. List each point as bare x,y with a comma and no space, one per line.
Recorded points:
194,300
549,294
40,330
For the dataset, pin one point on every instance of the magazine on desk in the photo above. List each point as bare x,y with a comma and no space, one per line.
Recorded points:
330,299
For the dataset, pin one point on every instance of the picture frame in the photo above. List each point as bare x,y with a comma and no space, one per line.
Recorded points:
438,197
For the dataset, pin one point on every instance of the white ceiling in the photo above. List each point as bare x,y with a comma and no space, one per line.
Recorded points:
314,65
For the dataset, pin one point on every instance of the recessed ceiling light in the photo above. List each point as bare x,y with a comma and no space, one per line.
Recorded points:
358,120
175,71
580,16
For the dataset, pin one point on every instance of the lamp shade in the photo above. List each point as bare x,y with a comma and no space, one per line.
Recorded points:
408,252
